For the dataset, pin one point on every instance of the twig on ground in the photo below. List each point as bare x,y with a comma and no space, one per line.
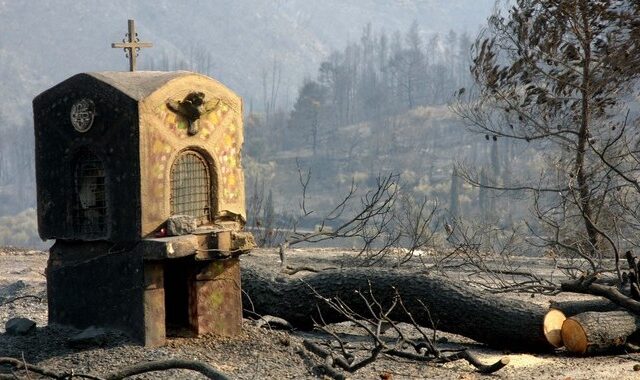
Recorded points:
471,359
26,369
14,299
163,365
293,270
372,323
20,365
271,322
137,369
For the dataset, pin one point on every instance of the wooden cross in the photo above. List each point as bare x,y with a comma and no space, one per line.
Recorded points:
131,45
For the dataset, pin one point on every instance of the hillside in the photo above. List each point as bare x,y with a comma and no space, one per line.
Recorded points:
421,147
238,43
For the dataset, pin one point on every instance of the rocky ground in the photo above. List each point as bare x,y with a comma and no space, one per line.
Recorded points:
259,353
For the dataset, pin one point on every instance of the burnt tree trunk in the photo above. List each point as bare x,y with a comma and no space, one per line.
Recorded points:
559,311
452,306
593,332
571,308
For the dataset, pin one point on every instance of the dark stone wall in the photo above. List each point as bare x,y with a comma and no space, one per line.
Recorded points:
113,137
96,284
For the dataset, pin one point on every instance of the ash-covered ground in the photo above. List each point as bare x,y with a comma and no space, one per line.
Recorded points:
258,353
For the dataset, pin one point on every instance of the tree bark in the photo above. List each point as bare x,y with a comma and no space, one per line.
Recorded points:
584,188
593,333
571,308
452,307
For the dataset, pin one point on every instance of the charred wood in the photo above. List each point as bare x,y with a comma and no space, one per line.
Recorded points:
450,306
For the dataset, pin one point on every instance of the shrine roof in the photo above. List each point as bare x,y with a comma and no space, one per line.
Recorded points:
138,84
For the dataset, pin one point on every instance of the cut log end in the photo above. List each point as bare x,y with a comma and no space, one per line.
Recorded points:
552,325
574,337
595,333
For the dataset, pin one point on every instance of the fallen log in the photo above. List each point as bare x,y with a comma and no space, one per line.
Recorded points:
594,332
452,307
571,308
559,311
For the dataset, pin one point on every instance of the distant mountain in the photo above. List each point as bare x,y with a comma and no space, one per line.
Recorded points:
44,42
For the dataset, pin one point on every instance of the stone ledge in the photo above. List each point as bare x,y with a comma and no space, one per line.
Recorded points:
171,247
205,245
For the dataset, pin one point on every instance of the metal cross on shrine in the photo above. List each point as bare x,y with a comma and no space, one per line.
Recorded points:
131,45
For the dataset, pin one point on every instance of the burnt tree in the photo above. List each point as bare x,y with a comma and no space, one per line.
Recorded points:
434,302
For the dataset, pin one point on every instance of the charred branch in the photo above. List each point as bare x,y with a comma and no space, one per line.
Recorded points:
137,369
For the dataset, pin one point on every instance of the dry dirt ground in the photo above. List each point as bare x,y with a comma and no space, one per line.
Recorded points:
258,353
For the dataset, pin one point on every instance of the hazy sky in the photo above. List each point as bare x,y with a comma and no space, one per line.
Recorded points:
42,44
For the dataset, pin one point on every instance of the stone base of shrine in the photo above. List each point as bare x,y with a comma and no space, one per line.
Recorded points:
99,284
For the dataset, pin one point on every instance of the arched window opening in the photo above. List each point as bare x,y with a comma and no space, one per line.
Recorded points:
191,187
90,208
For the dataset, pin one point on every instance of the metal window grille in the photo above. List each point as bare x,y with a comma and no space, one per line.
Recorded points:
90,209
191,187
